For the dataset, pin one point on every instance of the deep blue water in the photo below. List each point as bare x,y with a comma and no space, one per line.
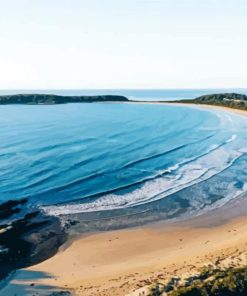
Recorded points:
95,157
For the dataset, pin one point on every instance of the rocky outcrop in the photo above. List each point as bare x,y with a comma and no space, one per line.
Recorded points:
26,237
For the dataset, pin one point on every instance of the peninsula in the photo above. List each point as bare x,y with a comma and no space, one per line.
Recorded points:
229,100
50,99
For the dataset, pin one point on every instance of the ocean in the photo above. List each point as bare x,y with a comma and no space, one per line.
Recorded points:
122,160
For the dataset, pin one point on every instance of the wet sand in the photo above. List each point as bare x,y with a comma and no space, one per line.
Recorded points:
123,261
120,262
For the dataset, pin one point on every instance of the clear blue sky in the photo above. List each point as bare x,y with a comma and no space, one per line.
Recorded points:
123,43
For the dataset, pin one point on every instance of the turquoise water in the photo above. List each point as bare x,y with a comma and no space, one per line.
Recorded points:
87,158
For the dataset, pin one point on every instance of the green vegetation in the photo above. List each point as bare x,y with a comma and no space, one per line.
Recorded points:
230,282
43,99
230,100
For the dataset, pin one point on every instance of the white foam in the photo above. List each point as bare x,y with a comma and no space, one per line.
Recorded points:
233,137
199,170
180,176
243,150
232,194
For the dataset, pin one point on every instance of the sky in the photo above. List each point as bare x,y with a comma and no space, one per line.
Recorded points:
76,44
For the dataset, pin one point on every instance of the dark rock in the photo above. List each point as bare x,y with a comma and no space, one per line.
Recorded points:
61,293
9,208
27,239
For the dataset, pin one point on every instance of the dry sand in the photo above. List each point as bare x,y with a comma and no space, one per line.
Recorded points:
119,262
232,110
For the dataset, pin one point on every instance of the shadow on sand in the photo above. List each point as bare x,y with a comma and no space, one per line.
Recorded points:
25,283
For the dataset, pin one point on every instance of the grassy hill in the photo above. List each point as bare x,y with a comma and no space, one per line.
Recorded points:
45,99
231,100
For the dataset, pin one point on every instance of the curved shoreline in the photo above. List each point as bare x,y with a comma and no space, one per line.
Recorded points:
171,103
119,262
78,209
122,260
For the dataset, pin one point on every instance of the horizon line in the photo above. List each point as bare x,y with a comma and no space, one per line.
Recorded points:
159,88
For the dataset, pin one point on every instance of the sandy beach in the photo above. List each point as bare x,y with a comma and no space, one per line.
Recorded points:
212,107
126,262
123,148
236,111
121,262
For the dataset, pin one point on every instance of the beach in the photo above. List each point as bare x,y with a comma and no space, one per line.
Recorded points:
121,262
128,261
123,148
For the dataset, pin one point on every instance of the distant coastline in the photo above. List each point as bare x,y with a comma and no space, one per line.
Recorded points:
205,239
229,100
49,99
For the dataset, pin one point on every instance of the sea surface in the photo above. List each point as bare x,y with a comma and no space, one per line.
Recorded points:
107,160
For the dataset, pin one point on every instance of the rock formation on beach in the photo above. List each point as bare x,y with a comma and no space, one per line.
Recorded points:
26,237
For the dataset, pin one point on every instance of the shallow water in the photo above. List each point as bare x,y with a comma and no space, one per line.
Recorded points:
87,158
